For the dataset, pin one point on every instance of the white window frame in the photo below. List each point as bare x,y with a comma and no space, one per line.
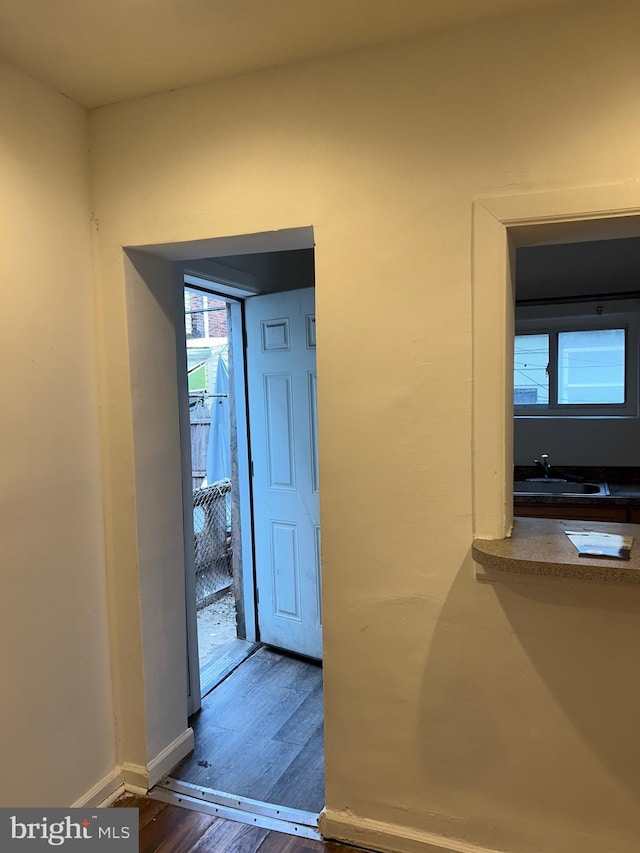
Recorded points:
188,325
576,317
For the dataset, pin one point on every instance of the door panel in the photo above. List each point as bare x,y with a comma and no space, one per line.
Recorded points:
279,424
281,370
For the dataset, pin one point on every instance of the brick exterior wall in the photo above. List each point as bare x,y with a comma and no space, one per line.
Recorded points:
210,323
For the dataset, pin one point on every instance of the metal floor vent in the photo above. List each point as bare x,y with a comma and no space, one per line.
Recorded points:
240,809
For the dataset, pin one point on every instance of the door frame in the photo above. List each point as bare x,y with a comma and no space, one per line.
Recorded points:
223,290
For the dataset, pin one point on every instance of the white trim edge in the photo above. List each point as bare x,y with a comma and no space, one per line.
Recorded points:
389,837
103,792
135,789
138,777
170,756
120,790
135,778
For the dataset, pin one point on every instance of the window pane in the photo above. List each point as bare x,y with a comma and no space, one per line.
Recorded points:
591,366
530,376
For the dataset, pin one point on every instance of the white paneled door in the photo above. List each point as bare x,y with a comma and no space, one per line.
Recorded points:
281,370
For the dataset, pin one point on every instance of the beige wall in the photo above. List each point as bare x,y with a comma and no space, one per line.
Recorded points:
504,716
56,719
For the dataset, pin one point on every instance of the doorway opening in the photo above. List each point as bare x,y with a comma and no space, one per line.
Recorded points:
221,631
252,553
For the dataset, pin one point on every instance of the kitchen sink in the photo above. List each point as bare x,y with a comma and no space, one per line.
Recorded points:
559,487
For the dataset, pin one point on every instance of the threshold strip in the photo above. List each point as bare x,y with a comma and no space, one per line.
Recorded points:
214,674
240,809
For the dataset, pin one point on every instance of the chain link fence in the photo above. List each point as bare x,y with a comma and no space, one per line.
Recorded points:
212,535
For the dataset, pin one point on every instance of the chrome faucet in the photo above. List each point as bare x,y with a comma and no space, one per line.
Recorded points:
544,464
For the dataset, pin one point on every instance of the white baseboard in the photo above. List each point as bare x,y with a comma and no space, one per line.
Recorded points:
139,778
135,778
120,790
170,756
130,788
389,837
103,792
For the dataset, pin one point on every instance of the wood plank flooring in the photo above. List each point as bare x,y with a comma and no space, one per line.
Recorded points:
171,829
224,661
260,734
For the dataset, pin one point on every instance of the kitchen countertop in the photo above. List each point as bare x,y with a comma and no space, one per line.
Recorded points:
623,483
539,547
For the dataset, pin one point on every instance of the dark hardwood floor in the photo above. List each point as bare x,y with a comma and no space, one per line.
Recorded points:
172,829
224,661
260,734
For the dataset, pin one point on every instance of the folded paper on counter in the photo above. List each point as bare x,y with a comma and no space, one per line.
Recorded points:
608,545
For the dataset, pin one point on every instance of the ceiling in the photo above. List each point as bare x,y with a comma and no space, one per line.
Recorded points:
578,270
100,51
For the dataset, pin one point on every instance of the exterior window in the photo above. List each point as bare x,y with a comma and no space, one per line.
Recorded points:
531,370
576,365
591,367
